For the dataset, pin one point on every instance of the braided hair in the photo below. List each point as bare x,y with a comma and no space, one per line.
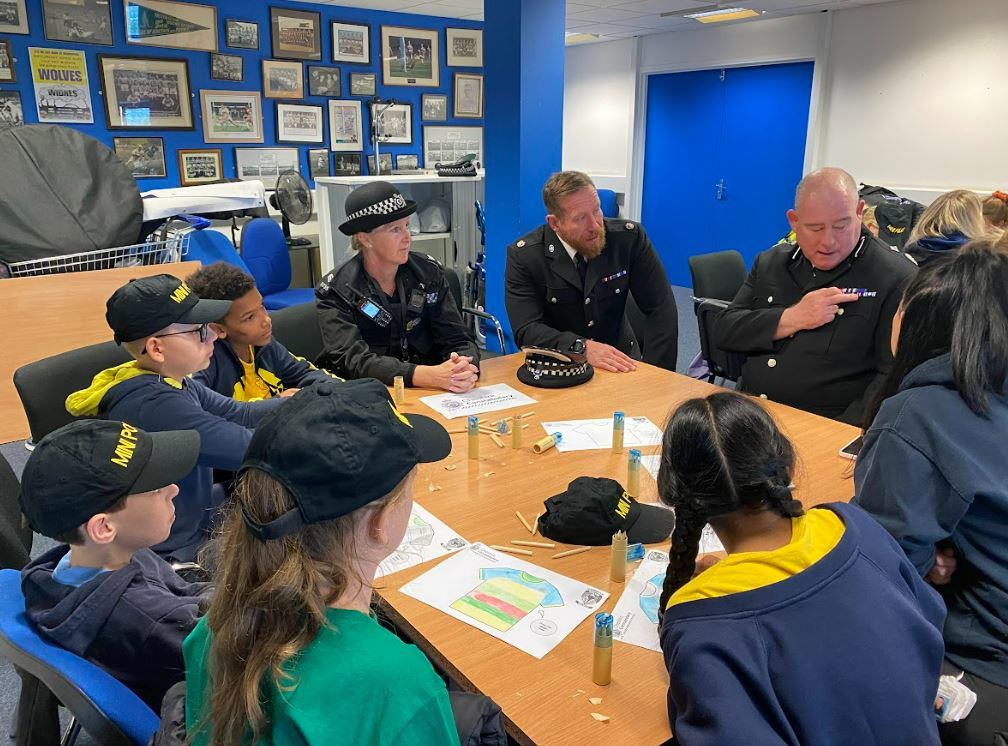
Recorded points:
719,455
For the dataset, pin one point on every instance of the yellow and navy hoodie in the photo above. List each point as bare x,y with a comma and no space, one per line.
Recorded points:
153,403
273,369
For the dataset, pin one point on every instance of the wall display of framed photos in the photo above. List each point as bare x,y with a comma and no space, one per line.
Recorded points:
146,93
13,17
11,111
434,107
464,47
282,79
407,162
351,43
78,21
346,130
468,95
448,144
410,56
143,156
228,67
384,159
165,23
241,34
7,72
362,84
299,123
200,166
396,123
296,34
61,87
231,116
318,162
323,81
347,164
265,164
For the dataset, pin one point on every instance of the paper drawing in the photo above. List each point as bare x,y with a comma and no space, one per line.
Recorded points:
506,596
586,435
426,538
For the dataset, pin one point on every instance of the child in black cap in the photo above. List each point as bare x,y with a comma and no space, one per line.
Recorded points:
289,652
106,490
165,326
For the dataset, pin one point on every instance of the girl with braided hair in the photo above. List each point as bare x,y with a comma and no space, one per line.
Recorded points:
814,629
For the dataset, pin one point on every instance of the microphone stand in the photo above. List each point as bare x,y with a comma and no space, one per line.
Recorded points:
376,129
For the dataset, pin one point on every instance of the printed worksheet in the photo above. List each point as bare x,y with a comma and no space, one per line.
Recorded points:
426,538
526,606
586,435
635,618
480,399
709,541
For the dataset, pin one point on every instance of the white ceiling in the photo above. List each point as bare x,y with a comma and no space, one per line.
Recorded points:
611,19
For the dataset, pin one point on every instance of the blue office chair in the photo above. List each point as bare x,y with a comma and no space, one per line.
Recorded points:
210,246
607,197
264,250
107,709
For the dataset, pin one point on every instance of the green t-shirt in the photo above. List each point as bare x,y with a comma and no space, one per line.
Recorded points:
357,683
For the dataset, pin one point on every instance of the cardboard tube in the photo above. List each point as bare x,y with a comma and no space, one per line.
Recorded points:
633,473
400,389
617,432
602,651
473,430
516,432
617,563
544,445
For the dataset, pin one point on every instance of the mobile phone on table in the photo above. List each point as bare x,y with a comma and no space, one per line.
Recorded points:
852,449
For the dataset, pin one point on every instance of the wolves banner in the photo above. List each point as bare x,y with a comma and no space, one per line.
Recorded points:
61,86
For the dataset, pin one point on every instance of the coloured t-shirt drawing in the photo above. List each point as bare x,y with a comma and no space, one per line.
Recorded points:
650,597
506,596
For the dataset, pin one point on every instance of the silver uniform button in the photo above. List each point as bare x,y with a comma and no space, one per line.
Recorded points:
587,301
762,396
520,243
629,226
552,300
551,248
617,291
839,312
769,299
591,323
771,363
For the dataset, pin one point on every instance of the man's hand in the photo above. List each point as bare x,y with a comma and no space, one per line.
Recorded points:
608,357
814,310
456,374
943,567
289,392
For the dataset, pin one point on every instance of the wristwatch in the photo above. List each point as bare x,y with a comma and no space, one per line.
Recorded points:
578,347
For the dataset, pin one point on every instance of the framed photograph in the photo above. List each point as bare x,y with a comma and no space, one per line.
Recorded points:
200,166
434,107
265,164
78,21
143,156
241,34
468,95
231,116
347,164
346,131
447,144
318,162
227,67
11,111
146,93
7,72
396,126
362,84
464,47
299,123
351,42
165,23
282,79
296,34
13,17
323,81
409,162
410,56
61,87
384,159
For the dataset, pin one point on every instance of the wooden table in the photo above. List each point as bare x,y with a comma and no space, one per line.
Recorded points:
540,698
49,314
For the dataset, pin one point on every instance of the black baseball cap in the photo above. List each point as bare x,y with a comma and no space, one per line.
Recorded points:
594,508
84,467
147,305
337,446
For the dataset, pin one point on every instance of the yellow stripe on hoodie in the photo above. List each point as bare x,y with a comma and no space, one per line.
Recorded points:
84,403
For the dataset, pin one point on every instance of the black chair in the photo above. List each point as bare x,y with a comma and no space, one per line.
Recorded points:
297,328
45,384
720,363
718,275
15,534
455,286
645,329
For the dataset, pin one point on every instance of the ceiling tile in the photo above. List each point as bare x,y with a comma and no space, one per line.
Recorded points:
664,6
604,15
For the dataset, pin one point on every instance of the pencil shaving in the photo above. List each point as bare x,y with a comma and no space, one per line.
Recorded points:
595,700
450,467
600,717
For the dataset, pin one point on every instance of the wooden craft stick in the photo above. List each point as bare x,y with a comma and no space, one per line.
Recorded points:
511,550
535,525
569,552
495,439
524,522
543,544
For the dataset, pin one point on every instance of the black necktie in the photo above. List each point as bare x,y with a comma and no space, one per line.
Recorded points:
582,267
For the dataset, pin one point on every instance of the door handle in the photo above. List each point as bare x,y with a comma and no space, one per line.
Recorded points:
720,190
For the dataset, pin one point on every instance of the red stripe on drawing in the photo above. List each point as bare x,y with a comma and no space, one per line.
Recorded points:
497,603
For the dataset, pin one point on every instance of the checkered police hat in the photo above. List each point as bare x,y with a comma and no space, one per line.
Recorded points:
374,205
551,369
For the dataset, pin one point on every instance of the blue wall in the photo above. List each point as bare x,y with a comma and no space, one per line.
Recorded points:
199,77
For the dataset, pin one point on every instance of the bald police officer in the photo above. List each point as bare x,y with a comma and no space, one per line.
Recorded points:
566,283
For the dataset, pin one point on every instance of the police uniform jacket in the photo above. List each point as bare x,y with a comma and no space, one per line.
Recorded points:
549,305
834,369
424,329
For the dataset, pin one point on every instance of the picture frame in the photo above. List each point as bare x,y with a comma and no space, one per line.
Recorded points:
396,125
148,23
347,164
410,57
324,81
351,42
200,166
464,47
265,164
7,72
11,109
146,92
434,107
13,17
241,34
468,95
448,143
299,123
231,116
143,156
363,84
385,159
229,67
296,34
282,79
407,162
78,21
319,162
346,129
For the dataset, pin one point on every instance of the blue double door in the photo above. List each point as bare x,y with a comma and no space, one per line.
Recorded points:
724,151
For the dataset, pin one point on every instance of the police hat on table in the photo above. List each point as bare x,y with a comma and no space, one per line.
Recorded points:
594,508
374,205
552,369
